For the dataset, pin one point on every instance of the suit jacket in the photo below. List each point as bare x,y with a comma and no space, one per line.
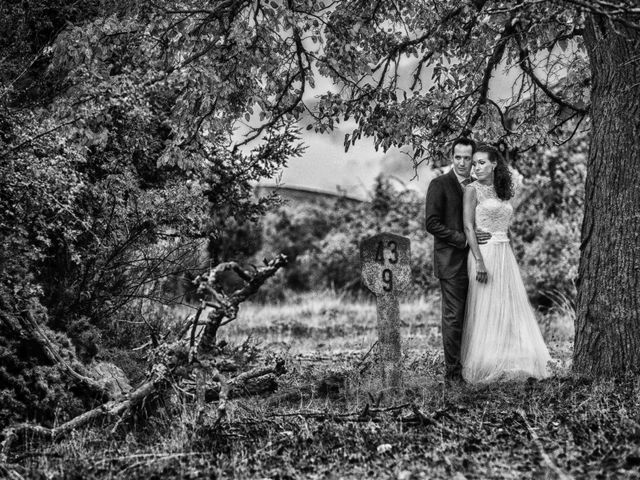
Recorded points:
444,222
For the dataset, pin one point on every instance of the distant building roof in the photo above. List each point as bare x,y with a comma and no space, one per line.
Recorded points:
304,194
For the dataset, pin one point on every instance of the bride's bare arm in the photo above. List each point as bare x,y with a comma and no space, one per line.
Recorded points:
469,217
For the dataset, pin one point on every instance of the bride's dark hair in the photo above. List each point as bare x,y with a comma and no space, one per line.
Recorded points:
502,180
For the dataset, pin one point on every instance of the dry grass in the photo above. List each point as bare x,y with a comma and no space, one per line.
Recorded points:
327,323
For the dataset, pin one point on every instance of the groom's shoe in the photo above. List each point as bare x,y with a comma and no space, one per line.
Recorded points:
455,379
461,381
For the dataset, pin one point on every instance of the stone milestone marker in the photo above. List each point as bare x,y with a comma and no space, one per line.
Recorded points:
386,271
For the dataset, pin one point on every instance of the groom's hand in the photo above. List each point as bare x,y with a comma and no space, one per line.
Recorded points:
482,237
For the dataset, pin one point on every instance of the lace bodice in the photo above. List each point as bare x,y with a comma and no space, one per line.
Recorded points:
492,214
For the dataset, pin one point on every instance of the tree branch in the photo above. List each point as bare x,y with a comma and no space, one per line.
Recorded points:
34,329
492,63
527,67
280,113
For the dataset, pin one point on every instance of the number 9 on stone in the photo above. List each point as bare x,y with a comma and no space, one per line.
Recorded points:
387,279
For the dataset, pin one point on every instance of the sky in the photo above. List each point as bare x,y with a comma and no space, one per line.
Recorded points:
326,166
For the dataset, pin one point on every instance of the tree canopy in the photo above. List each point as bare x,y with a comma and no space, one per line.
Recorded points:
411,73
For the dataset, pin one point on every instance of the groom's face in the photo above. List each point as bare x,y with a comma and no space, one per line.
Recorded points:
462,159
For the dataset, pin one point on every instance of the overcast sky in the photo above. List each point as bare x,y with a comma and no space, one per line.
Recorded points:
326,166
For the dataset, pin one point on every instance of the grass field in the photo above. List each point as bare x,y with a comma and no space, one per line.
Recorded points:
330,418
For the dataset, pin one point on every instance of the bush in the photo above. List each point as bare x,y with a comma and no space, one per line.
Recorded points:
323,240
550,262
547,221
116,165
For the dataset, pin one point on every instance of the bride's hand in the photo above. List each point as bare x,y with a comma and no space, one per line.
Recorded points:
481,272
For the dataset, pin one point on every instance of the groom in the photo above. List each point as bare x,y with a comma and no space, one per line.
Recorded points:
444,222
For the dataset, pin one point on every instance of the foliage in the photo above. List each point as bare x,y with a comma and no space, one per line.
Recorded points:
117,166
546,229
400,212
30,387
323,240
418,73
294,230
265,55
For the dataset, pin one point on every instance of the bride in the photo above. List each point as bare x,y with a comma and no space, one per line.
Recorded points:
501,339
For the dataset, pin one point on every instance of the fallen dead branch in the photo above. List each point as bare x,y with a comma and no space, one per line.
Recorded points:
53,353
172,363
9,472
545,457
369,413
257,372
420,418
113,408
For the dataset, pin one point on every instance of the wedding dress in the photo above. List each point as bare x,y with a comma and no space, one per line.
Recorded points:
501,339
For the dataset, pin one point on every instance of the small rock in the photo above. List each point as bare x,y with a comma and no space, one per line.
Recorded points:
384,448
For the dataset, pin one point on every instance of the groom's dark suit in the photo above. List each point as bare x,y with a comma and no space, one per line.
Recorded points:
444,222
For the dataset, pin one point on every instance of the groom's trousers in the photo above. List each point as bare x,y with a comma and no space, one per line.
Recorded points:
454,298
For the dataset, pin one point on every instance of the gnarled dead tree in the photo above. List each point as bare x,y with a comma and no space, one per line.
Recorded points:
190,361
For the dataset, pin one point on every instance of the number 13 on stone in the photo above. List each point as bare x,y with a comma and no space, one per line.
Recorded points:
386,271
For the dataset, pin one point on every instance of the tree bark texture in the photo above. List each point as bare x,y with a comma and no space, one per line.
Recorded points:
607,338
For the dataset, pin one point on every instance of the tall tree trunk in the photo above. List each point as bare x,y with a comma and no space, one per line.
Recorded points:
607,338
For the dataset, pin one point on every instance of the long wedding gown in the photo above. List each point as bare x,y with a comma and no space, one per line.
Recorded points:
501,339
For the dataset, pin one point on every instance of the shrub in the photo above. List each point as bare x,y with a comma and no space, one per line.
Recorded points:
547,220
323,241
116,164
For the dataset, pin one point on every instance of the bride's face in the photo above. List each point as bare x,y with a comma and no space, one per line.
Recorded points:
482,166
